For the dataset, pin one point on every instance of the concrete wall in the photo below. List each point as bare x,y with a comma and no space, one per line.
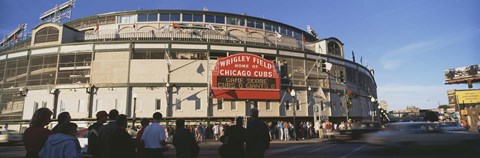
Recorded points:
75,101
149,71
188,98
110,67
227,110
146,101
39,96
188,71
110,98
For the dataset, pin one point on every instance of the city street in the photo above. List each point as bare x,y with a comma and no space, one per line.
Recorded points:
302,149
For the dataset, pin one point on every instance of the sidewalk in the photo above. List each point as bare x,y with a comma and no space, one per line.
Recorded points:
276,141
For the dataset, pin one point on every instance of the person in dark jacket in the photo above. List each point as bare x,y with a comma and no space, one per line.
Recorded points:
93,131
63,143
63,117
35,136
184,141
141,152
235,140
105,132
120,143
257,140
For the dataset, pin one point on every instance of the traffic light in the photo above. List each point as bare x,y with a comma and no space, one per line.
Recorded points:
349,103
324,65
341,77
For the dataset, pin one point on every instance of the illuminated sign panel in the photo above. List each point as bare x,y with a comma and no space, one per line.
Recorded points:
245,76
468,96
245,82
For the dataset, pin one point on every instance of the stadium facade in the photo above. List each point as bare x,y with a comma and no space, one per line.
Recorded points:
144,61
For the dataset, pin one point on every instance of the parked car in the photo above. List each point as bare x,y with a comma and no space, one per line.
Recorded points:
357,131
451,126
411,135
10,136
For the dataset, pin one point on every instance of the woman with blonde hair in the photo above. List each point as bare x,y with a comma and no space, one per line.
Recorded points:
35,136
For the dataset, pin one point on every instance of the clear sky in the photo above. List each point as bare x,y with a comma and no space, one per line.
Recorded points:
409,43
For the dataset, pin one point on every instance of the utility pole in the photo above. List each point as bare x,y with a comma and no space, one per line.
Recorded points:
292,93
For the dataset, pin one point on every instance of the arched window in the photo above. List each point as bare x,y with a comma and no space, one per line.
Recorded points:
47,34
334,48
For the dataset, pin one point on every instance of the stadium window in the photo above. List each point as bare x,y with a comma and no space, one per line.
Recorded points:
219,104
180,54
241,22
197,18
63,105
178,104
126,19
187,17
198,104
164,17
35,106
81,105
250,23
231,21
217,55
297,35
268,27
268,105
255,104
68,74
47,34
275,29
233,105
39,73
287,32
333,48
220,19
158,104
288,105
210,18
142,17
152,17
148,54
174,17
258,24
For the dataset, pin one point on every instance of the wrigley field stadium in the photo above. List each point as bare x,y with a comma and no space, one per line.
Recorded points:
202,66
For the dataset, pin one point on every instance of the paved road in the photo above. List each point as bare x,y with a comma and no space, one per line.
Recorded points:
305,149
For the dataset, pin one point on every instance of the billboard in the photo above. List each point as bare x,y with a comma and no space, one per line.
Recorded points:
468,96
245,76
462,74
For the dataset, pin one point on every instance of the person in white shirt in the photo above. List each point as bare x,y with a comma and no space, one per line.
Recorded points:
216,131
153,138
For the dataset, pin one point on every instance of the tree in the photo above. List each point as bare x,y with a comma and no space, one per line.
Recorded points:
431,116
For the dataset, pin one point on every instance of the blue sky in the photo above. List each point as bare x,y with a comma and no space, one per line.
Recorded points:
409,43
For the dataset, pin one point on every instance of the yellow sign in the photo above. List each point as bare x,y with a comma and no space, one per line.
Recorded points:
468,97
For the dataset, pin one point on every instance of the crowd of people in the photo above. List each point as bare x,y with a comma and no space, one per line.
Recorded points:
108,137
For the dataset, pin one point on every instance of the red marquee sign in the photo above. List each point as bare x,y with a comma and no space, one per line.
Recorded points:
245,76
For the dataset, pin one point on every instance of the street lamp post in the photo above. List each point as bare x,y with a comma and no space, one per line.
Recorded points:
292,93
134,116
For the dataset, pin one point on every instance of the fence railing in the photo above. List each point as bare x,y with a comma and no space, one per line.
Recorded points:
201,36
